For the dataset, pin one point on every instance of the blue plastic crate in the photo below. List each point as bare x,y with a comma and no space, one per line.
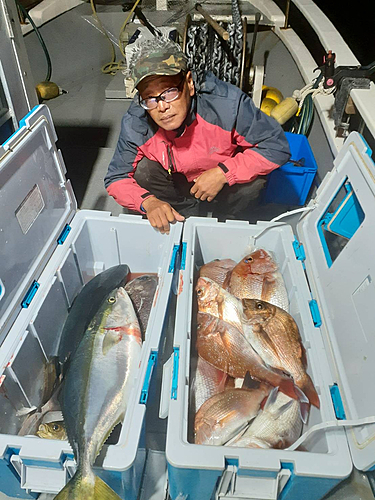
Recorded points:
290,184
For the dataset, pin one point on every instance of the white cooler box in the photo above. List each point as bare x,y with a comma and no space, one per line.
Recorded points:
48,252
329,271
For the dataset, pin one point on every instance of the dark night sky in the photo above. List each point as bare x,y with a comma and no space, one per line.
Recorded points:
356,24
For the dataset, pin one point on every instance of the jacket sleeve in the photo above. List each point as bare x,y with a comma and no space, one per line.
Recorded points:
262,142
119,180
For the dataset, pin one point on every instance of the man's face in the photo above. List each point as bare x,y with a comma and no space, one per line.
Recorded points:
168,115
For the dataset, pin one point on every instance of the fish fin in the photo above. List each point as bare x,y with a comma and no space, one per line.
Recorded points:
283,408
26,411
287,387
103,491
266,341
307,386
268,287
79,488
302,398
271,398
249,382
111,338
304,410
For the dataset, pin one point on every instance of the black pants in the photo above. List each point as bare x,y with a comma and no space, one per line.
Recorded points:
230,202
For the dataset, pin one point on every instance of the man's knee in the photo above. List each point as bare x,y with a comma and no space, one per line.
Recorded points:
147,172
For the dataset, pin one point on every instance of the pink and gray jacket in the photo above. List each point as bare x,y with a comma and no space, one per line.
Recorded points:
223,128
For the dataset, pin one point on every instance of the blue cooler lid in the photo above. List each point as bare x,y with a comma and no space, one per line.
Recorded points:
340,264
36,203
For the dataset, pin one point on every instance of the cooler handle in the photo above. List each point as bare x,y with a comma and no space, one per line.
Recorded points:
233,486
40,479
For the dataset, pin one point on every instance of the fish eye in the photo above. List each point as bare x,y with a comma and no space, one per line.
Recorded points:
112,300
55,427
199,292
248,259
259,305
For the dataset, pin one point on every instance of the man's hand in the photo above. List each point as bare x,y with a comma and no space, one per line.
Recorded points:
208,184
160,214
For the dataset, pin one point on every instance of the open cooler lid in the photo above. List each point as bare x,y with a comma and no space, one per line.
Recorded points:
338,236
36,203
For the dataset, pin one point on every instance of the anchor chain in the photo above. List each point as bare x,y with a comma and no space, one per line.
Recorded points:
206,51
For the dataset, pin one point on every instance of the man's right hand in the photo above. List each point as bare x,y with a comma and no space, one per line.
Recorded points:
160,214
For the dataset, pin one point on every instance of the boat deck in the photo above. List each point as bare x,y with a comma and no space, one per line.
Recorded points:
88,126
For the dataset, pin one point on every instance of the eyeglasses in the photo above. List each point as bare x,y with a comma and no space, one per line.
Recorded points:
168,95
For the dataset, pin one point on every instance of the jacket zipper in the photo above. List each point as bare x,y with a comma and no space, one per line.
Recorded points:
171,161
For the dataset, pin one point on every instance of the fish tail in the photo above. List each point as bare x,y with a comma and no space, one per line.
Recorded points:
79,488
307,386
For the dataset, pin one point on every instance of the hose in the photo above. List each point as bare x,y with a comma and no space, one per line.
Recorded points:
40,38
113,66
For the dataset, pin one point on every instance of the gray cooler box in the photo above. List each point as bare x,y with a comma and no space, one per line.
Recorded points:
328,269
48,252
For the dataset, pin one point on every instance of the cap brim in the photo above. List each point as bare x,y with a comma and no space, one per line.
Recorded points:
164,72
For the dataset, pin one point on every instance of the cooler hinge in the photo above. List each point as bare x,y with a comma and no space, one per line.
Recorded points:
146,384
30,295
337,402
315,313
176,362
64,234
299,250
183,255
173,259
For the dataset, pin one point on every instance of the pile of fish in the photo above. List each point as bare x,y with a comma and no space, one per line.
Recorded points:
251,388
98,360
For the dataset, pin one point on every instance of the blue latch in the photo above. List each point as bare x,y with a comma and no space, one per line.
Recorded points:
146,384
183,256
173,259
315,313
299,250
64,234
176,362
30,295
337,402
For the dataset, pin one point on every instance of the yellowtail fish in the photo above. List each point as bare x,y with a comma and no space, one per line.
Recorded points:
52,430
96,390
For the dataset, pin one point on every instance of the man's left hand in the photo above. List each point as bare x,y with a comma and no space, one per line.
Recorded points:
208,184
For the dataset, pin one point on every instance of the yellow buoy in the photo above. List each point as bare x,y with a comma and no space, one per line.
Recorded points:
285,110
47,90
271,97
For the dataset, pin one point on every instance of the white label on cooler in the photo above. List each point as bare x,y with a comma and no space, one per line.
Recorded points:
30,208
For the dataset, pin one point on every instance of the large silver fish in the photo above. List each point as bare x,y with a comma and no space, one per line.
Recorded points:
52,430
85,306
96,390
279,424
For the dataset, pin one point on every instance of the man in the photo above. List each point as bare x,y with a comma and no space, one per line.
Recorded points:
184,149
